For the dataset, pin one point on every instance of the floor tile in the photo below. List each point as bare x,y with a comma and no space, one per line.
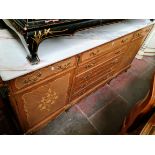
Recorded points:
5,126
97,100
138,67
149,59
148,75
109,120
131,87
69,123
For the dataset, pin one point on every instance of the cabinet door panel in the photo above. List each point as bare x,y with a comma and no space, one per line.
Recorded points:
41,101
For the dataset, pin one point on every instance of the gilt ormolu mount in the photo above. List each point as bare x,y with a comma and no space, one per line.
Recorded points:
36,30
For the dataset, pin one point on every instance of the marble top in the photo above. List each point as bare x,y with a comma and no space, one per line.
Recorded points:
13,62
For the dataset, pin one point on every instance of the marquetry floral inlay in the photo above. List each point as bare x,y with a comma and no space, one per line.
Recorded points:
48,100
40,35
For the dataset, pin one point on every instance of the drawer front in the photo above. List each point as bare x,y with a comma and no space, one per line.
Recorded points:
93,53
147,29
104,49
89,65
138,34
43,73
122,41
101,59
142,33
90,86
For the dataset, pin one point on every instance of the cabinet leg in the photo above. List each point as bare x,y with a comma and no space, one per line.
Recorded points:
68,107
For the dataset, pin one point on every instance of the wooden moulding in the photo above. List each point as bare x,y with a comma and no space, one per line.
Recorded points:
141,108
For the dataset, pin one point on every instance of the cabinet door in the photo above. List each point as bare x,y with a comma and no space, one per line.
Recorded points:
38,103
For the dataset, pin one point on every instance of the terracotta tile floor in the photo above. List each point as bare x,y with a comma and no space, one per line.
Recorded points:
103,112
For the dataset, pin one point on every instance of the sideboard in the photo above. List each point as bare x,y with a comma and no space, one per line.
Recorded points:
40,96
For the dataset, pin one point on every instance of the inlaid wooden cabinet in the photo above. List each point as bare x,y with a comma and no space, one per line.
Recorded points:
40,96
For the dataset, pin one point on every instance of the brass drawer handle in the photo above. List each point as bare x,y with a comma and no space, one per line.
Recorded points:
32,78
87,77
115,61
89,65
110,74
117,52
83,85
62,67
105,78
147,30
94,53
124,40
138,34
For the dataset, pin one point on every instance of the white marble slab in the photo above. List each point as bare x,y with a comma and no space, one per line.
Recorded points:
13,62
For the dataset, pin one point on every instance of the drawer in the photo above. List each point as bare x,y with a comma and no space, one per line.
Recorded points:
93,53
109,55
122,41
91,85
105,48
143,32
41,74
138,34
147,29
